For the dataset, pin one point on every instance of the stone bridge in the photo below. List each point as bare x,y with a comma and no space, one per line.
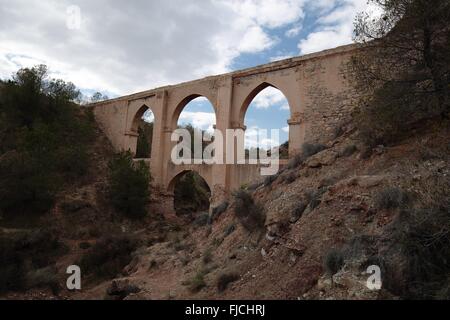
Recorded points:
314,86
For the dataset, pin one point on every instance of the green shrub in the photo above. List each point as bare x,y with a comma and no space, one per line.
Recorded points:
216,242
333,261
144,143
197,283
217,211
42,247
191,194
202,219
338,131
25,187
225,279
390,114
283,150
207,256
108,256
250,215
129,189
44,278
229,230
314,198
270,179
391,198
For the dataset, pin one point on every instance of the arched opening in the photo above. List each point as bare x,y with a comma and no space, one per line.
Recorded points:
191,194
197,115
143,126
266,108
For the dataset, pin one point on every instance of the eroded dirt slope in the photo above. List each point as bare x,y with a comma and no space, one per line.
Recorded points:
329,201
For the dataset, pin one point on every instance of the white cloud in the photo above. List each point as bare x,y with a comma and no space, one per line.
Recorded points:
200,120
293,32
335,25
255,40
148,116
285,106
285,129
270,13
325,39
281,57
257,137
126,47
269,97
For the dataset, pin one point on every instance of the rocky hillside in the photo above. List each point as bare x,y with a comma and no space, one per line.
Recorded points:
81,220
329,215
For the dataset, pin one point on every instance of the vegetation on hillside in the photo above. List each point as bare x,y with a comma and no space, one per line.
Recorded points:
28,260
144,143
392,211
191,194
403,77
108,256
129,185
44,140
403,74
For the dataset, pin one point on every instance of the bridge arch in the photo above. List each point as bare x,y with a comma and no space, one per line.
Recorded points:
314,86
261,98
138,116
136,121
180,173
252,95
183,103
191,192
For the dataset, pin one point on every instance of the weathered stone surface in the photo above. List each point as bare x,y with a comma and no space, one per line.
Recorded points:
324,158
319,101
297,213
367,181
280,210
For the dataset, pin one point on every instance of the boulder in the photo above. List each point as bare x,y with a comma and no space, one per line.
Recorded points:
297,213
324,158
120,289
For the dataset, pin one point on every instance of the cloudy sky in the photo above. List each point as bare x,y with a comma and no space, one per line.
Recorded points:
119,47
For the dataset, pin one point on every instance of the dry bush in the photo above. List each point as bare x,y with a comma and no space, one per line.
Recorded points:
26,260
225,279
250,215
207,256
391,198
333,261
348,150
108,256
